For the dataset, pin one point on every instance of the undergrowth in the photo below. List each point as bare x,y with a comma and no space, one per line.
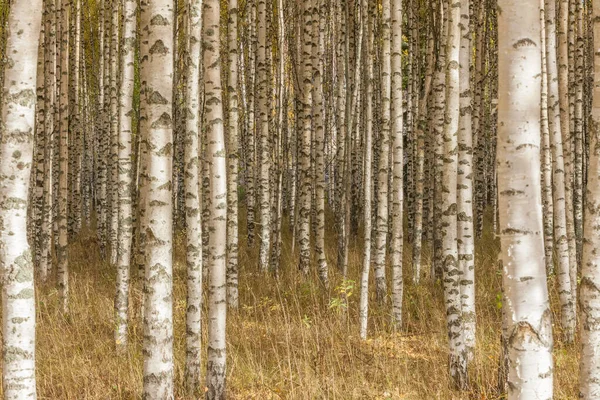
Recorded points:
290,339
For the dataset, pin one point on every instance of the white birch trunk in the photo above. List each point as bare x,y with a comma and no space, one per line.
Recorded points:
113,157
45,264
126,111
449,234
233,156
466,243
193,322
319,142
381,223
546,155
262,131
421,126
398,162
63,159
304,150
157,79
367,178
527,312
16,158
589,293
216,155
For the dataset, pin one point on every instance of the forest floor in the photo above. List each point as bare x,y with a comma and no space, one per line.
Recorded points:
290,338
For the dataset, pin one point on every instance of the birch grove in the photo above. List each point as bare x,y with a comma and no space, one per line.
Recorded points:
299,199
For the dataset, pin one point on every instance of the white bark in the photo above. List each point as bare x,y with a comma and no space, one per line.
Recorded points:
558,176
16,157
233,157
126,111
527,312
566,130
437,122
63,159
466,243
589,293
421,126
398,162
281,153
367,178
45,264
192,200
157,79
304,150
101,139
250,151
319,142
452,273
37,171
546,155
75,122
217,305
262,85
342,136
113,157
381,223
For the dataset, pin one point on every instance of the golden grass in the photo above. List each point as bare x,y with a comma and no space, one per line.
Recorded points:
285,342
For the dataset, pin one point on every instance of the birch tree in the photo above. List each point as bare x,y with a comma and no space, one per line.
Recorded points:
101,140
466,243
527,313
452,273
63,158
562,20
577,86
45,264
367,200
232,156
75,136
250,156
262,86
381,224
113,120
304,150
281,152
126,111
438,121
157,80
217,302
319,135
192,198
546,154
398,161
342,135
558,177
420,164
589,294
16,158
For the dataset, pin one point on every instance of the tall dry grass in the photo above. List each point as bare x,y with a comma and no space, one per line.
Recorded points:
290,338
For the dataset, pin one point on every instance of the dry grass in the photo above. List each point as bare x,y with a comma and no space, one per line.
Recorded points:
285,342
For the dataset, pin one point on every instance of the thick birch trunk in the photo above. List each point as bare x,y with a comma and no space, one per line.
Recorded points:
157,79
527,312
16,157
